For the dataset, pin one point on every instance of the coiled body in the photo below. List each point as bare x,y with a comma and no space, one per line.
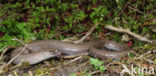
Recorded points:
41,50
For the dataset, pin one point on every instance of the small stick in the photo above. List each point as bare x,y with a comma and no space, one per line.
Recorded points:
5,65
134,8
130,33
88,33
19,41
74,60
1,58
17,55
4,51
142,56
95,72
30,73
123,8
2,68
18,65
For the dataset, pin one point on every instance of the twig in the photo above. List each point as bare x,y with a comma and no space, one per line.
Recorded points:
94,72
134,8
74,60
5,65
142,56
17,65
4,51
85,63
123,8
88,33
130,33
30,73
1,58
19,41
17,55
130,6
2,68
22,43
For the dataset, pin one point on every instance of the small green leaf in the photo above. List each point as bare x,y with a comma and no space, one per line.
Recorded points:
131,55
98,65
102,68
74,5
141,74
89,75
95,20
79,15
61,37
64,6
92,14
72,74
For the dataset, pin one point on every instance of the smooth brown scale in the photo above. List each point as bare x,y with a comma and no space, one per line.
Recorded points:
41,50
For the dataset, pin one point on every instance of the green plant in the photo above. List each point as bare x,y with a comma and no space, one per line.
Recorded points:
98,65
73,74
98,13
57,19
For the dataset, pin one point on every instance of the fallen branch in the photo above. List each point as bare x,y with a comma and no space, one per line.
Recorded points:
88,33
130,33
